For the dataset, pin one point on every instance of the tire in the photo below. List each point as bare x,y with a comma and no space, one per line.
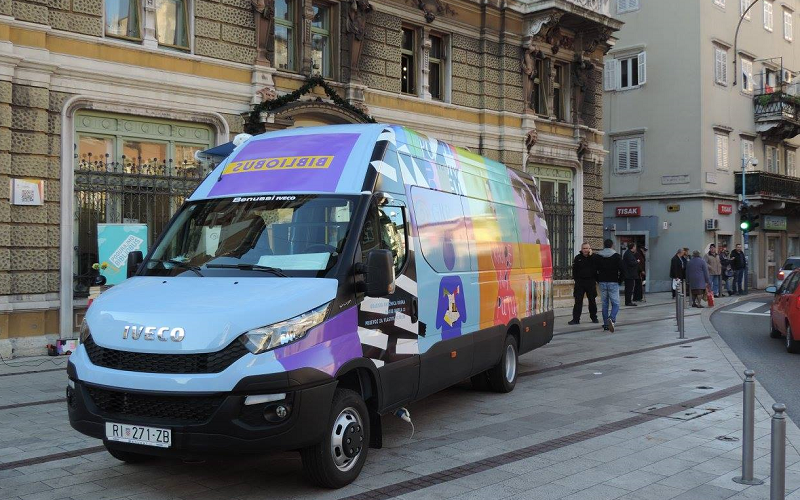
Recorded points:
792,345
503,376
328,463
129,457
774,332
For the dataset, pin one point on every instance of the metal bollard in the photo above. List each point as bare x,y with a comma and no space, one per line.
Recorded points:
748,429
681,315
777,466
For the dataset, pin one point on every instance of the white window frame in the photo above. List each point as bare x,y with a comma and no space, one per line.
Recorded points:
622,146
747,75
748,151
743,5
719,3
721,150
788,30
791,162
627,6
773,159
769,10
612,72
720,65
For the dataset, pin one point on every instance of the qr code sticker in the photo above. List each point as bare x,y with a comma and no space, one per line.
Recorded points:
28,195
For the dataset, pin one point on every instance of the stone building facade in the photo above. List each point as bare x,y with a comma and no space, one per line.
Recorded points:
105,103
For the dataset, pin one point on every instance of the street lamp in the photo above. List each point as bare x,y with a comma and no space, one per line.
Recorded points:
750,160
736,40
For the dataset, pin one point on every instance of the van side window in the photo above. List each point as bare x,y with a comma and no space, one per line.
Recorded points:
385,228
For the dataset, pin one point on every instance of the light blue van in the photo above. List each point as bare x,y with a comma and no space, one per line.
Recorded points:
317,279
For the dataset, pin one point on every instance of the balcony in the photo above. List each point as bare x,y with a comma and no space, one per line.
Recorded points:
773,187
777,115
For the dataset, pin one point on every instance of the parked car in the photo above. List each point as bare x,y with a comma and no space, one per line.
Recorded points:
790,265
784,314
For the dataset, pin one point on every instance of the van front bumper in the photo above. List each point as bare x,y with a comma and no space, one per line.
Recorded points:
207,424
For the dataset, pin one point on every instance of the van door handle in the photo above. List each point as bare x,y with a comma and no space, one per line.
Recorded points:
414,310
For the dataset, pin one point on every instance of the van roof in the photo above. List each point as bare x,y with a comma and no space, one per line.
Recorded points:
334,159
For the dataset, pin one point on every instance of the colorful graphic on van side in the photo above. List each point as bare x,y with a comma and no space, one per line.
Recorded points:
498,265
452,310
300,163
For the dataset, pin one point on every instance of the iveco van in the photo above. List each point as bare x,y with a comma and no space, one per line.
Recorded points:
317,279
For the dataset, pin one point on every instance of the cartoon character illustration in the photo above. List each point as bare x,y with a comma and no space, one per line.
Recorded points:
506,309
452,310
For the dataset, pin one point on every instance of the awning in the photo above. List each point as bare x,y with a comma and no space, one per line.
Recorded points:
217,153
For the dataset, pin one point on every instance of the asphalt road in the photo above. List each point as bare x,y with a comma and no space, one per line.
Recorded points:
745,327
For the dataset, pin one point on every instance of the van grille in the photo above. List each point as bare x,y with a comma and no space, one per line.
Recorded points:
186,409
211,362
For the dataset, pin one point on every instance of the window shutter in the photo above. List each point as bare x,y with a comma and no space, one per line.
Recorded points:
787,25
622,5
724,59
633,4
610,74
718,65
622,155
725,152
634,154
642,58
718,141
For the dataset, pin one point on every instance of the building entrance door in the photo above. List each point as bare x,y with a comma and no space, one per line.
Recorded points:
774,257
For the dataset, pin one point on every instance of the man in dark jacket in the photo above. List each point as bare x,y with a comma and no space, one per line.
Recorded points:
609,276
738,265
630,267
677,269
584,272
638,288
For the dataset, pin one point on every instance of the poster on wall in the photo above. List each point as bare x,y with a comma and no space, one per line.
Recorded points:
27,192
114,243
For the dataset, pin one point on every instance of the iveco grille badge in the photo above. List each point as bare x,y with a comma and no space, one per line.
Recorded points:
151,333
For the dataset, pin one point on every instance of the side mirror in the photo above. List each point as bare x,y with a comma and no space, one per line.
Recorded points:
771,289
379,273
99,280
134,259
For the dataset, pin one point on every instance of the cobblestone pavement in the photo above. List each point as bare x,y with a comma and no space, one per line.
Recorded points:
630,415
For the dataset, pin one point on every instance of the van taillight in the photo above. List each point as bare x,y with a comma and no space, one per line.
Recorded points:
780,275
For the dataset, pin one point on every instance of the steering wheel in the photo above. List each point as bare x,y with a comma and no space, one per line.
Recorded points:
319,248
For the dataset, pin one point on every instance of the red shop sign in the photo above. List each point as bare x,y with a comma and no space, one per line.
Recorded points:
629,211
725,209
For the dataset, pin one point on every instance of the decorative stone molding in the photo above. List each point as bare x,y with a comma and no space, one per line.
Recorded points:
581,85
356,28
149,39
433,8
528,65
545,23
594,38
264,15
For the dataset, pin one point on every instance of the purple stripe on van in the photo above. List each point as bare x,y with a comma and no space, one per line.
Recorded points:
300,163
326,347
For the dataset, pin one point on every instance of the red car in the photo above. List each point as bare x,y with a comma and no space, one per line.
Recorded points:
784,314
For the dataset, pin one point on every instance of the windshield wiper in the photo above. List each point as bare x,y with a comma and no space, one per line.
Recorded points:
249,267
178,263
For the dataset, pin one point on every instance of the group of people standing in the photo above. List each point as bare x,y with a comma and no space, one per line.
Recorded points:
607,270
706,274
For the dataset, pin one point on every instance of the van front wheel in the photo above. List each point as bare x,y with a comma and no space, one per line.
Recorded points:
337,460
503,376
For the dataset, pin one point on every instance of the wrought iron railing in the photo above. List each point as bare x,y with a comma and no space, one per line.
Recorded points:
143,190
559,213
769,185
777,106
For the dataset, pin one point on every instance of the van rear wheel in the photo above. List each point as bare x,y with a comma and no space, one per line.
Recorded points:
338,459
503,376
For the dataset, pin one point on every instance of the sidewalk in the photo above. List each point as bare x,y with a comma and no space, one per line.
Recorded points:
632,415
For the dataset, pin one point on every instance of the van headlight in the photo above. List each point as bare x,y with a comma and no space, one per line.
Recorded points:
269,337
84,332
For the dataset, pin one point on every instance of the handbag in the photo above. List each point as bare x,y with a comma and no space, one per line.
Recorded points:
709,297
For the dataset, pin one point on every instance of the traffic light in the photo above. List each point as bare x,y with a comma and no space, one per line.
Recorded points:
749,221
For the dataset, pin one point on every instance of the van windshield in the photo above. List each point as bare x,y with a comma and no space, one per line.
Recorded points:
269,235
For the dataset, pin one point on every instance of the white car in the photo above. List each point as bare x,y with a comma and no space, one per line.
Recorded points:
791,264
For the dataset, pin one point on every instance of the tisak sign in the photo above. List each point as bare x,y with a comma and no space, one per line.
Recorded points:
629,211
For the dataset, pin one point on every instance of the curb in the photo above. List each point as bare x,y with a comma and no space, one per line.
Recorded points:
763,398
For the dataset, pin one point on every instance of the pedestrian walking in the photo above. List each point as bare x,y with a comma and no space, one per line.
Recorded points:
687,256
714,269
638,285
727,273
699,278
677,270
584,273
738,264
630,266
609,276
